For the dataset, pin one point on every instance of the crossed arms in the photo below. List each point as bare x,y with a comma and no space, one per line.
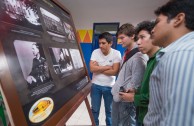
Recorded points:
107,70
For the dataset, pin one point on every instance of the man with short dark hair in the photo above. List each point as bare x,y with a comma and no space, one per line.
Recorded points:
172,81
39,73
104,64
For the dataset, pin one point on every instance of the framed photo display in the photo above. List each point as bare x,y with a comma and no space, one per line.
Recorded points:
43,75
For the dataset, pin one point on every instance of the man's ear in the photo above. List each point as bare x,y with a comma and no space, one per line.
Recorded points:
133,36
111,43
179,19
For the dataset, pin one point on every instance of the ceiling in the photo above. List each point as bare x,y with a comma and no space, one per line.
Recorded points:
87,12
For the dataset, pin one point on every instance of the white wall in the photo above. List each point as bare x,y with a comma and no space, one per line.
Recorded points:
87,12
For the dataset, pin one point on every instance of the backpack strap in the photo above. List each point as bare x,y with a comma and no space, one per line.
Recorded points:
132,52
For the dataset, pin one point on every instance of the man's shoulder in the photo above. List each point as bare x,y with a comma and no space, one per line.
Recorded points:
185,43
114,50
96,50
182,49
141,55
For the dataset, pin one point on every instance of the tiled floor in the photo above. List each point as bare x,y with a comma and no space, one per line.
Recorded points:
81,116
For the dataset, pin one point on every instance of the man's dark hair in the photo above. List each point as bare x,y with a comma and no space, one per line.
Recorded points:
107,36
172,8
39,47
126,29
144,25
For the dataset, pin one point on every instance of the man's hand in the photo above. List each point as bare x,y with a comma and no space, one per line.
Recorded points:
127,96
95,68
131,90
95,63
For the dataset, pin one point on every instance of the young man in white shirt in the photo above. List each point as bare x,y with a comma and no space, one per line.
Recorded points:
104,64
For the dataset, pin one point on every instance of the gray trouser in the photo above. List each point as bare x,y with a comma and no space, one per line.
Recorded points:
123,114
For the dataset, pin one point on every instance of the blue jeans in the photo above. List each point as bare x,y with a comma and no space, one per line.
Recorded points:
123,114
97,92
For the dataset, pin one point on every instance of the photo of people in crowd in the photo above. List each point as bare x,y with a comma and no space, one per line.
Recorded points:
61,60
33,63
69,31
76,57
53,25
20,12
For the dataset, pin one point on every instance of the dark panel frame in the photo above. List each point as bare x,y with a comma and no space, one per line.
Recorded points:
11,98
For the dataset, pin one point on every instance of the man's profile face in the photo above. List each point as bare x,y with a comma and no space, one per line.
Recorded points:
35,50
162,31
61,55
126,41
104,46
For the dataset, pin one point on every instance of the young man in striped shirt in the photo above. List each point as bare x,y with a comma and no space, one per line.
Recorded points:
172,81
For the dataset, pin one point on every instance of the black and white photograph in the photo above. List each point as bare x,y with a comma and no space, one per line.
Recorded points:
53,25
76,57
61,60
69,31
40,72
33,63
20,12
